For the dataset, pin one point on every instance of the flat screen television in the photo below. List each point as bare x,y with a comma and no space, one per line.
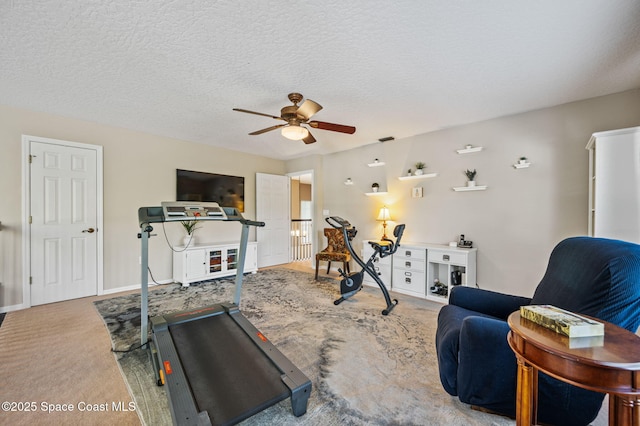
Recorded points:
227,191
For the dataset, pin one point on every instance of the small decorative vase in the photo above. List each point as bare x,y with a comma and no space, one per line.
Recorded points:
374,189
471,183
189,239
418,172
522,161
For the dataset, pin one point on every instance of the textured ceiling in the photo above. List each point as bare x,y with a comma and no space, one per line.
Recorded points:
400,68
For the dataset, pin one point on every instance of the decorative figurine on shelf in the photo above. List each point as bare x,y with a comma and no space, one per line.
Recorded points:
471,175
375,187
419,166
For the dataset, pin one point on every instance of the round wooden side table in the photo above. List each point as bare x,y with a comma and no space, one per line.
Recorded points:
608,364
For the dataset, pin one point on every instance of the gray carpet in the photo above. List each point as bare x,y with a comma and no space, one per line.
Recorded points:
365,368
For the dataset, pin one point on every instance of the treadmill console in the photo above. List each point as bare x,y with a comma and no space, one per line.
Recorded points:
190,210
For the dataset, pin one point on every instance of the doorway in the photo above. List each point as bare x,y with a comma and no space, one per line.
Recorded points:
302,212
62,222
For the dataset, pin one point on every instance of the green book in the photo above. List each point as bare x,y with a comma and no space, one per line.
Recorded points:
562,321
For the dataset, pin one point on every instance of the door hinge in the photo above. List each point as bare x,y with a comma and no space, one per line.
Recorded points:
30,220
30,280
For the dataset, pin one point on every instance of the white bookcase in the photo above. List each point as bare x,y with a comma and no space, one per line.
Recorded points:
200,262
614,187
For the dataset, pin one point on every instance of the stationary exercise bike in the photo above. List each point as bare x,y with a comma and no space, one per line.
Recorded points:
352,283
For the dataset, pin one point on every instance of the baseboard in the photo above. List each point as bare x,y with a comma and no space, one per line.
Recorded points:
132,287
5,309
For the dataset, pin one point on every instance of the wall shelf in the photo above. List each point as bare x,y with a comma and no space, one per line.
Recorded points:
370,194
521,165
470,188
469,150
416,177
376,164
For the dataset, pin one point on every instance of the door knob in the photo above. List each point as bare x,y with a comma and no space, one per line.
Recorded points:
90,230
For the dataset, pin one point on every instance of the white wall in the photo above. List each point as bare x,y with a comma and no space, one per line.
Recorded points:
520,217
139,170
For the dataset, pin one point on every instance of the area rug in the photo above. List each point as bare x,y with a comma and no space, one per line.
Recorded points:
365,368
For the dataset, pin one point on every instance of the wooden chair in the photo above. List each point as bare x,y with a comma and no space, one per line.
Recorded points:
336,250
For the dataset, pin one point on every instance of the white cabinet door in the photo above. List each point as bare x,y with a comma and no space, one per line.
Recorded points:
195,264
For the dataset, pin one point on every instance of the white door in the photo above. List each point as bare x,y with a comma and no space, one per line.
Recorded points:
272,208
64,222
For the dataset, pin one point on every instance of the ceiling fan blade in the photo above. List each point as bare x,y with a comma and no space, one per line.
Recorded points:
258,113
268,129
309,139
333,127
308,108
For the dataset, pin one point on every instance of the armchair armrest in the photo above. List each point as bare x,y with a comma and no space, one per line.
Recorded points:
488,302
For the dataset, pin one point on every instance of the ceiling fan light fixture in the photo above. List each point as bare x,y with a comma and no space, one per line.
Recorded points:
295,133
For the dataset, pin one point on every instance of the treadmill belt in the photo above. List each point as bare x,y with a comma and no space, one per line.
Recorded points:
229,375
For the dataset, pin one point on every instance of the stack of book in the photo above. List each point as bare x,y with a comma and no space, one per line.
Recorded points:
562,321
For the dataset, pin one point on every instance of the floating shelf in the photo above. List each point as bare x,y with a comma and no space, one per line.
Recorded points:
521,165
376,164
470,188
370,194
416,177
469,150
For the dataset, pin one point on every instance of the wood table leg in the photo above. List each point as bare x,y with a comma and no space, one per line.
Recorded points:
624,410
526,394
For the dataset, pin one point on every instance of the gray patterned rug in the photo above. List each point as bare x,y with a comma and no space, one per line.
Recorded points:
365,368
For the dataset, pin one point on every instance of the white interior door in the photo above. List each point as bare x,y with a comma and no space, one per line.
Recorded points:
272,208
64,222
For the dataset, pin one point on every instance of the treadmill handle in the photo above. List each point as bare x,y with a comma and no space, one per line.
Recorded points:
253,223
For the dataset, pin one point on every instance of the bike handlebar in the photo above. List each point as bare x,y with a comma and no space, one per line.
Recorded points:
337,222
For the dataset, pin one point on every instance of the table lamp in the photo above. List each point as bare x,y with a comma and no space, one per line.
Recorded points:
384,216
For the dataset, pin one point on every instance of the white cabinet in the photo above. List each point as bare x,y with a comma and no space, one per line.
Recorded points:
414,268
381,266
614,186
448,267
200,262
409,270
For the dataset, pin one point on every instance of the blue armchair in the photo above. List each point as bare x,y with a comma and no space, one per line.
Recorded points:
592,276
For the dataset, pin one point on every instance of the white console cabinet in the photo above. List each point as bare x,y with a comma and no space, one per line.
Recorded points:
200,262
409,270
415,267
446,264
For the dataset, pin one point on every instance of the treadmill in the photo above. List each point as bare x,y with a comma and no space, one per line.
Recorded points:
217,367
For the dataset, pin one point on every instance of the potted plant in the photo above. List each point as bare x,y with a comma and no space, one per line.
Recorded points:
471,175
190,226
522,160
419,166
375,186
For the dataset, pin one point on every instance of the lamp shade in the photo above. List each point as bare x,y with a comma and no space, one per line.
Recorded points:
384,214
294,132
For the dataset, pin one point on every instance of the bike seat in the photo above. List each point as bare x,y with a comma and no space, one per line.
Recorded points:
386,247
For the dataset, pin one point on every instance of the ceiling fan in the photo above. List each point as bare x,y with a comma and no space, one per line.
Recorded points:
295,116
